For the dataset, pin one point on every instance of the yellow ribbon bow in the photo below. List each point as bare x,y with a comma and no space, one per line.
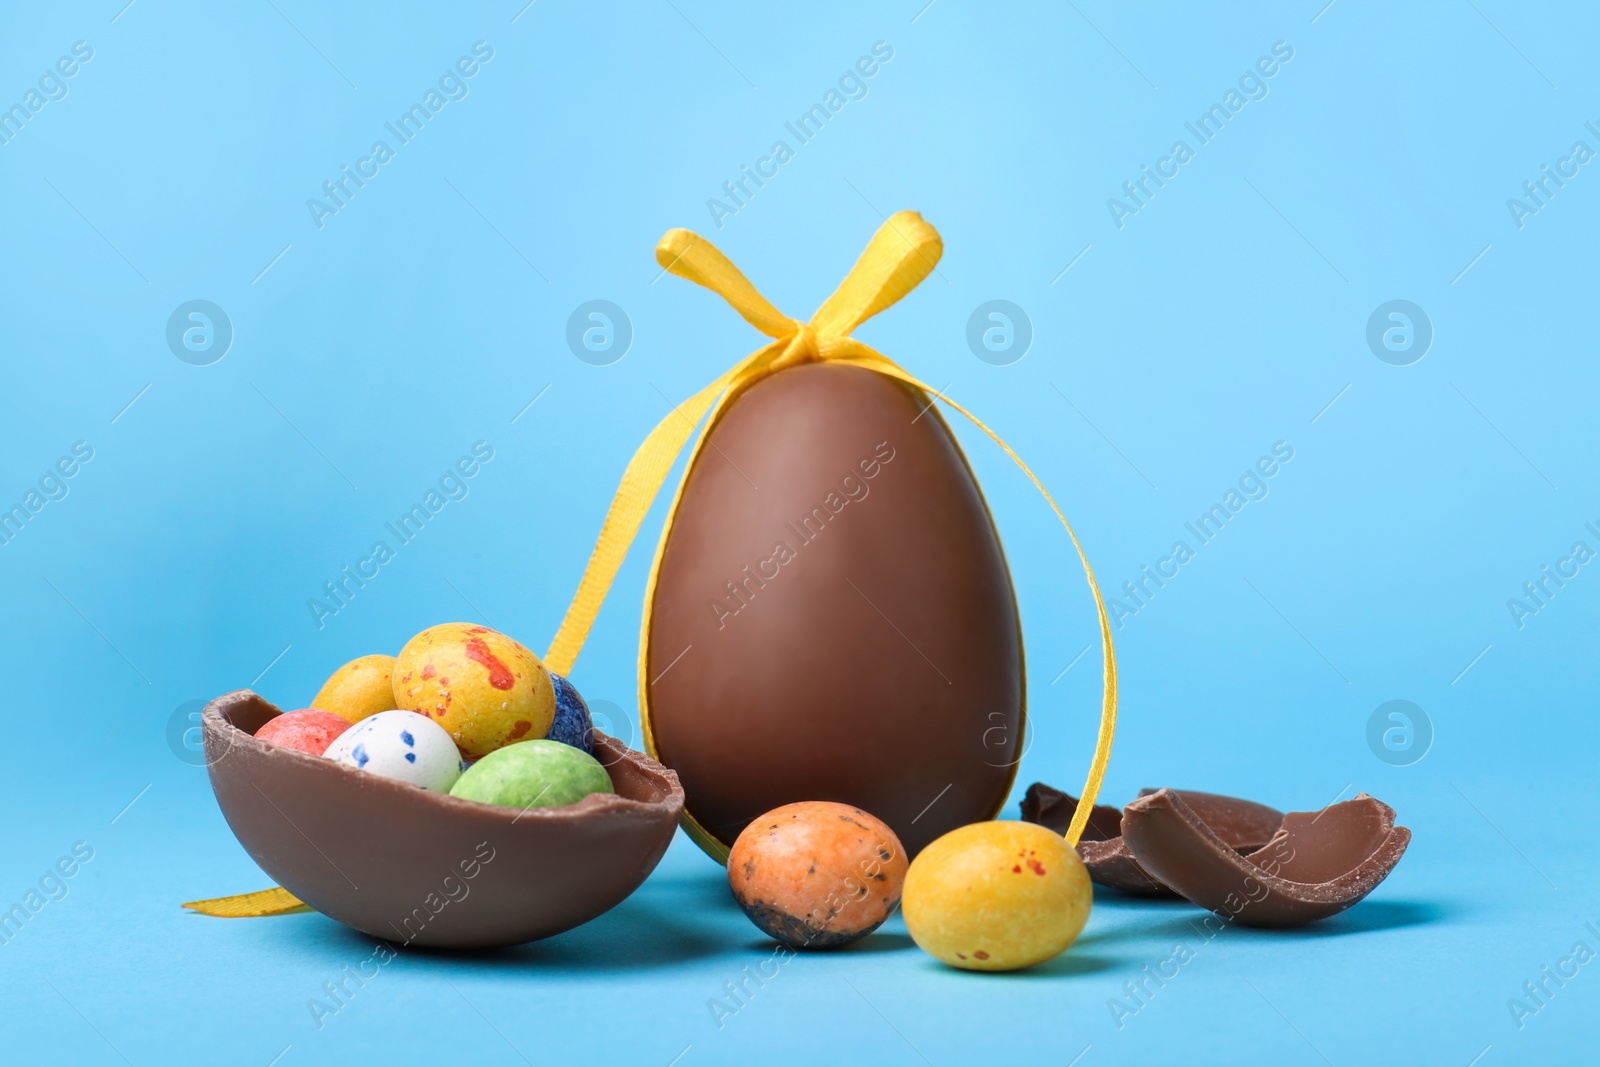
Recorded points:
901,254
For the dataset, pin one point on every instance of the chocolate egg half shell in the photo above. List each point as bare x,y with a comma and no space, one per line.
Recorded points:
832,617
421,868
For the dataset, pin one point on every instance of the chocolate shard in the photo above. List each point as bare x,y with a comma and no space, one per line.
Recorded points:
1112,865
1243,824
1053,809
1101,848
1317,864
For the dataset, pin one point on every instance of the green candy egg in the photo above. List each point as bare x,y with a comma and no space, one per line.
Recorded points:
533,774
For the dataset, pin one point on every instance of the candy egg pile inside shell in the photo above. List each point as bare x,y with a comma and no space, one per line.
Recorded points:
401,745
485,689
362,687
817,874
997,896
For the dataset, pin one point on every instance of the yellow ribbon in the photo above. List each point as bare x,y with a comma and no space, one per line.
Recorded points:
274,901
900,255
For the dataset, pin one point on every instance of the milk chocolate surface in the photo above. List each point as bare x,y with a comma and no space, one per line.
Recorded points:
833,618
423,868
1317,864
1243,824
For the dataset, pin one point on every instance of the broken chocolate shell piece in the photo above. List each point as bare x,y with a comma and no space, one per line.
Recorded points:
1243,824
1101,848
1053,809
1317,864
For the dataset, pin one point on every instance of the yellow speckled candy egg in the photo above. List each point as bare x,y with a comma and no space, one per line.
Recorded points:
362,687
485,689
996,896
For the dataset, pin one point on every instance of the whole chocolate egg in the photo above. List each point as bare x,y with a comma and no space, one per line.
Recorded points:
831,617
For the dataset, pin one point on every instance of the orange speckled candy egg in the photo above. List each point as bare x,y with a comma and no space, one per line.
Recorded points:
817,874
997,896
485,689
362,687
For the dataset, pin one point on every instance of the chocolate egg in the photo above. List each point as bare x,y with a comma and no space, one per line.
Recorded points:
831,617
817,874
421,868
484,688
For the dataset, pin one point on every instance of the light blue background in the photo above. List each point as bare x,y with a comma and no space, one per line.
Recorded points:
1223,317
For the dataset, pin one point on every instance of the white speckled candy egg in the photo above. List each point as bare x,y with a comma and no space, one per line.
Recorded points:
401,745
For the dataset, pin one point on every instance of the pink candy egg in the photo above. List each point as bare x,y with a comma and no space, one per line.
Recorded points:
308,730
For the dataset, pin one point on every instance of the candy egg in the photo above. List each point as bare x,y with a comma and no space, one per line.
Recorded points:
817,874
485,689
310,730
401,745
572,725
533,774
362,687
997,896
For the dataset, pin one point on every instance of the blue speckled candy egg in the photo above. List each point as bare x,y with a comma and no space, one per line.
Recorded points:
401,745
572,724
